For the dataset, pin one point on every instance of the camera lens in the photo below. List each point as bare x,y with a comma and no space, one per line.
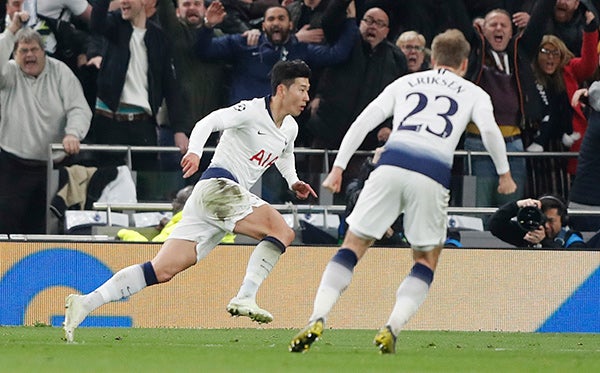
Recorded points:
530,218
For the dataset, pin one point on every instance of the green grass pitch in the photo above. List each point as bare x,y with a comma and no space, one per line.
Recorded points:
42,349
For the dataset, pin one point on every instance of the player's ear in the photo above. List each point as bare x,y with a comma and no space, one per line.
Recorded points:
280,89
462,70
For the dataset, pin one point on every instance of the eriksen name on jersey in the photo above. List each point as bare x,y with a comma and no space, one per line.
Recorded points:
451,84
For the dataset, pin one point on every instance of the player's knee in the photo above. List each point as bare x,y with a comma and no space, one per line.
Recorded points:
278,228
284,235
424,249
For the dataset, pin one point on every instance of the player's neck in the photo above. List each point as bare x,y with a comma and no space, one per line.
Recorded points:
458,71
277,111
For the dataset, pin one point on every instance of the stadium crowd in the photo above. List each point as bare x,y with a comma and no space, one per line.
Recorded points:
150,69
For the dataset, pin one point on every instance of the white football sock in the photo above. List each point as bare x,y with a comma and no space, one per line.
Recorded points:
261,262
122,284
410,295
335,280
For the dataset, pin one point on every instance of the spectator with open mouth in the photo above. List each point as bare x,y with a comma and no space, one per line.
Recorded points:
500,63
412,44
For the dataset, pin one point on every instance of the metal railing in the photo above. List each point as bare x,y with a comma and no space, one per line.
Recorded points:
294,209
327,153
325,194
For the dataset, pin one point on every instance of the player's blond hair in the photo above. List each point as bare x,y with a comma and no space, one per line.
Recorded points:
450,48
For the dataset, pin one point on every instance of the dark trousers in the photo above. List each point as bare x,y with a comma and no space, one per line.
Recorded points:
136,133
168,161
22,195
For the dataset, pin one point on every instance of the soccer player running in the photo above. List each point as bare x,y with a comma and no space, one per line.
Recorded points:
256,134
430,111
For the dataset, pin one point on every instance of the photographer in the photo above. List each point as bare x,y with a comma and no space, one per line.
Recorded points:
537,223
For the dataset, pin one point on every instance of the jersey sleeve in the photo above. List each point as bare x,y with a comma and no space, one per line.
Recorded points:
286,164
483,117
219,120
373,115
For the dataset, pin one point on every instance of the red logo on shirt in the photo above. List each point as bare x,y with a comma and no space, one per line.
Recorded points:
263,158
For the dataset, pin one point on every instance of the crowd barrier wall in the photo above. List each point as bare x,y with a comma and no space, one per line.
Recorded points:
474,289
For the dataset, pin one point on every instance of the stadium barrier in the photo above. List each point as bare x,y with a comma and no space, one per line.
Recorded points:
474,289
325,196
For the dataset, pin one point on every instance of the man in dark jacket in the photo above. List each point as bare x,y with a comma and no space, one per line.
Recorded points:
568,22
539,223
251,64
135,75
346,89
203,83
374,63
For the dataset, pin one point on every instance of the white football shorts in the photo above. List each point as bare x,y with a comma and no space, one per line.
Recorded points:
390,191
211,211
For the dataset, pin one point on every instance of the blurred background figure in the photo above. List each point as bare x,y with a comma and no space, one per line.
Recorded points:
585,194
558,75
500,63
413,45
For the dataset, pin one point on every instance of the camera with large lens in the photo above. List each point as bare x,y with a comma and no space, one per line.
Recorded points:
530,218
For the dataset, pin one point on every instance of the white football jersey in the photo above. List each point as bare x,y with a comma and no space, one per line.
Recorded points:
430,110
250,142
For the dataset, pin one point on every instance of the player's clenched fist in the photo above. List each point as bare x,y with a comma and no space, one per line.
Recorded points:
333,181
506,184
189,164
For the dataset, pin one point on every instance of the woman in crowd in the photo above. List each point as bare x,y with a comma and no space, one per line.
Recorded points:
558,75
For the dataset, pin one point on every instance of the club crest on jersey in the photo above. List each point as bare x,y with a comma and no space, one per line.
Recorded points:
240,107
263,158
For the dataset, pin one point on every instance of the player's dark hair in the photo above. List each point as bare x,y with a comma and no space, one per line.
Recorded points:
285,72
